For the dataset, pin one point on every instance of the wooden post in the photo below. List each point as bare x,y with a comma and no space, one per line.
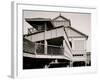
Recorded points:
45,47
64,46
35,48
46,66
71,63
45,42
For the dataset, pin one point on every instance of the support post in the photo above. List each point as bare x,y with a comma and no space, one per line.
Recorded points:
45,47
35,48
71,63
46,66
64,46
45,41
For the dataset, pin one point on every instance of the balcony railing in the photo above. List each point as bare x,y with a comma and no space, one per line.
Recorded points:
39,49
55,50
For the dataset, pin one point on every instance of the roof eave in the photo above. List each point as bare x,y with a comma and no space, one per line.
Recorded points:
86,36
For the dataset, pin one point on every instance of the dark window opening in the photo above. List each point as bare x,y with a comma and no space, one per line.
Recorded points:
70,43
77,54
78,63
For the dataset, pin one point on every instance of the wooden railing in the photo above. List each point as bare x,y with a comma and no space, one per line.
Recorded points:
28,46
55,50
39,49
39,35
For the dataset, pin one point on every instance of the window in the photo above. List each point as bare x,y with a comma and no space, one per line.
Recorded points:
70,43
77,54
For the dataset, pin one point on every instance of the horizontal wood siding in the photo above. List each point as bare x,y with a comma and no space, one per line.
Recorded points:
61,23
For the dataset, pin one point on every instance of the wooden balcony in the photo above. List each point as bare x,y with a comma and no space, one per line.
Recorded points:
39,49
51,34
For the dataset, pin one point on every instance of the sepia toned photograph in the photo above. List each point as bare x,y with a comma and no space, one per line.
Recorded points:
56,39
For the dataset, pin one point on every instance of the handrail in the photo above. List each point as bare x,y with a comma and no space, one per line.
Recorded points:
50,45
38,48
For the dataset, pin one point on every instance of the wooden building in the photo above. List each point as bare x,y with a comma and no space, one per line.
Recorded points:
53,43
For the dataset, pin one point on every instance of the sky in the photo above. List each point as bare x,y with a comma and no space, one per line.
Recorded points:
79,21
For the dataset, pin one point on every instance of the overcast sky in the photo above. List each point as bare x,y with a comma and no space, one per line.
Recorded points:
79,21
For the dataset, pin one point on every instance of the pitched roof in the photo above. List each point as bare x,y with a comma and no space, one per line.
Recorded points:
86,36
48,19
37,19
61,17
33,21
